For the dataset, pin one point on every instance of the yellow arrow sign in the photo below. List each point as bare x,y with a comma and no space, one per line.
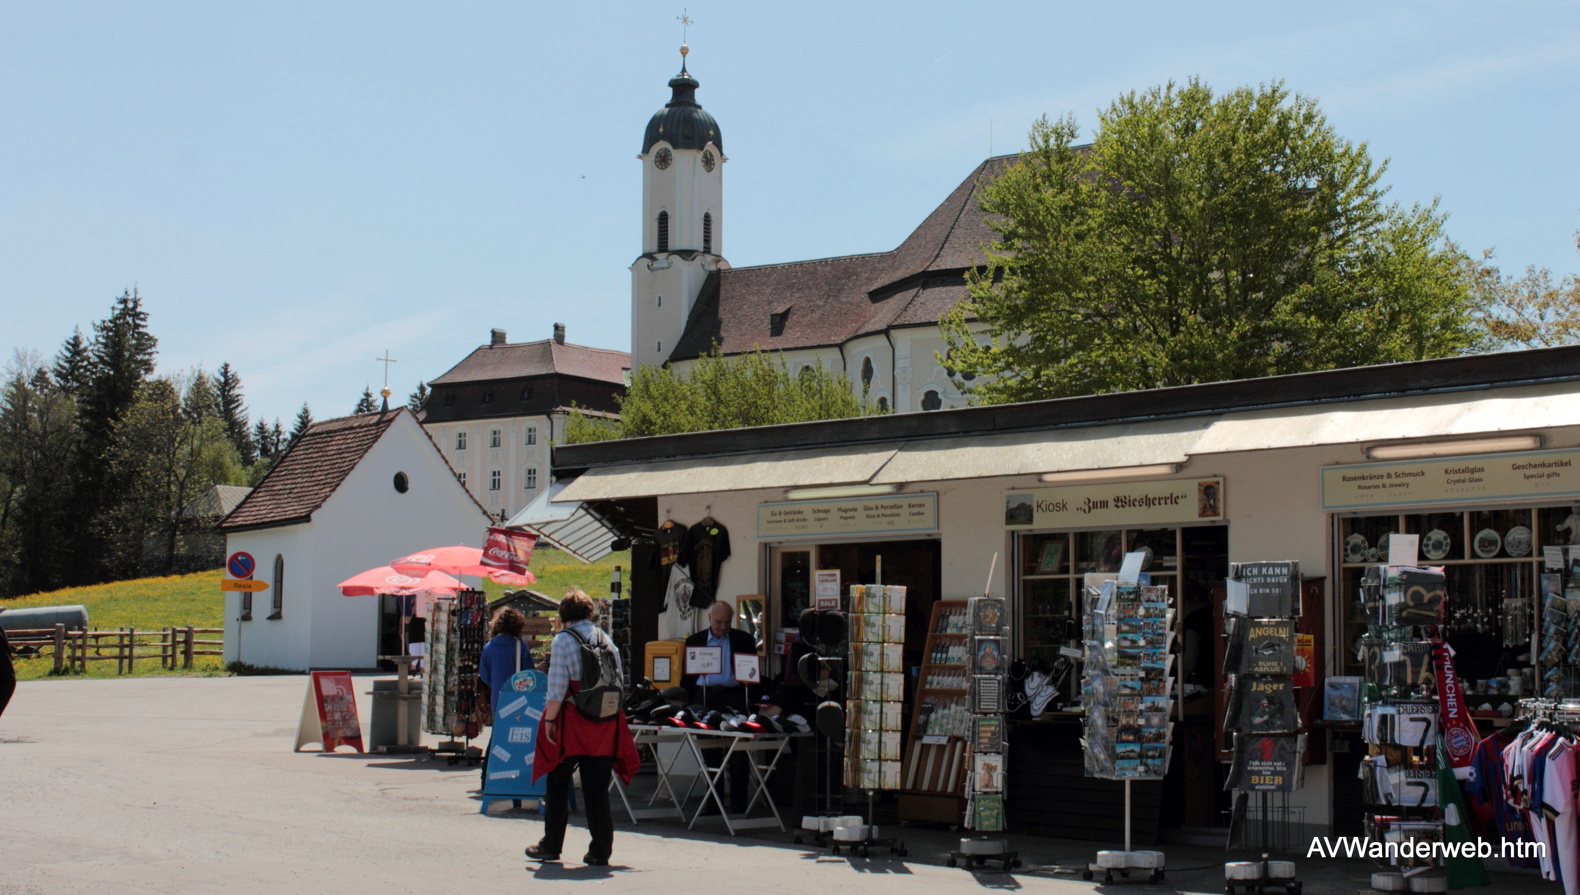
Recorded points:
246,584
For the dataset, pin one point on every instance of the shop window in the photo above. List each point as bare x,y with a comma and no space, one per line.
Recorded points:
532,478
460,441
493,479
1494,581
1051,567
277,611
532,435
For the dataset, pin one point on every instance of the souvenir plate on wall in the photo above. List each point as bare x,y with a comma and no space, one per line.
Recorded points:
1436,544
1489,542
1355,548
1518,541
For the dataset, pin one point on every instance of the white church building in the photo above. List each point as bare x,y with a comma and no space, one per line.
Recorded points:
872,316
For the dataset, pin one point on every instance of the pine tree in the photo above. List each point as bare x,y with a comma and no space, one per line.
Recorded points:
277,437
227,387
120,360
419,398
304,419
261,441
71,364
366,404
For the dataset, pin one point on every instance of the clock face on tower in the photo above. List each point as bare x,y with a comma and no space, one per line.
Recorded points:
662,158
707,160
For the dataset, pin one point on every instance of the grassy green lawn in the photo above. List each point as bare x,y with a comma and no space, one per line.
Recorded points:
150,604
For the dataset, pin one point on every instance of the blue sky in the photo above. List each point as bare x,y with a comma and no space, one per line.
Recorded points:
296,187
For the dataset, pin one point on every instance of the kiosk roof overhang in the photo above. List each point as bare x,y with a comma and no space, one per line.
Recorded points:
1501,392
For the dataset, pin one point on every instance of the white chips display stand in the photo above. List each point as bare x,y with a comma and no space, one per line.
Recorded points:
1127,692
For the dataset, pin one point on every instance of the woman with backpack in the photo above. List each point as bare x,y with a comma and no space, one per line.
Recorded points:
580,730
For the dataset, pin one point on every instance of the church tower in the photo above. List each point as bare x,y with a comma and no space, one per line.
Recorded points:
682,219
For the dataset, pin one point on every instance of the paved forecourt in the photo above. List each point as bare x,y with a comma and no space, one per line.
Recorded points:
189,784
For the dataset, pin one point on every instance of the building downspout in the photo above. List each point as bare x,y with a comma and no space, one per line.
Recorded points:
894,385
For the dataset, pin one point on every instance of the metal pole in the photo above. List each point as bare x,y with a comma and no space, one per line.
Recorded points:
1127,816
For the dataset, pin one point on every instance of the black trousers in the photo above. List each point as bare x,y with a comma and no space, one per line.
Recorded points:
596,770
7,673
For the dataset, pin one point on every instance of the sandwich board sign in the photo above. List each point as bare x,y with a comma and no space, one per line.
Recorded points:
508,772
329,713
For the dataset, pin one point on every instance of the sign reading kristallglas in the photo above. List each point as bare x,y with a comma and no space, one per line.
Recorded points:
852,516
1116,503
1524,475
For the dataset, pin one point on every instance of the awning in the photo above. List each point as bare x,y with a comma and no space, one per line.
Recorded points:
1394,419
1031,453
745,472
572,527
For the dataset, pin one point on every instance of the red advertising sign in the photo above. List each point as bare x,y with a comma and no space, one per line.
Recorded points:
329,713
509,549
1305,660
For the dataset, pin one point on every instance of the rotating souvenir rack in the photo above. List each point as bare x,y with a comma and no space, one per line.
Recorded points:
455,645
1127,692
1262,602
876,687
987,662
1401,722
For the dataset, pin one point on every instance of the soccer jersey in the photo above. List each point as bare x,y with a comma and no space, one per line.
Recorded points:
1496,820
1558,810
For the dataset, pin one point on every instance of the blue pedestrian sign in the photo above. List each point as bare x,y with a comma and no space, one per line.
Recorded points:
240,565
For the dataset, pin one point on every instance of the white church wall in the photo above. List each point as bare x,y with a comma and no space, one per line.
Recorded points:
273,643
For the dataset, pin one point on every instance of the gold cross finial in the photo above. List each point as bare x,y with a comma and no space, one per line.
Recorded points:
685,24
386,360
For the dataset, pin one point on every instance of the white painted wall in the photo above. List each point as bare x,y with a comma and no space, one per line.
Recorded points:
512,458
364,524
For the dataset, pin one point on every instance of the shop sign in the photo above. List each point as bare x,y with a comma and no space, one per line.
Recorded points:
1523,476
1169,502
853,516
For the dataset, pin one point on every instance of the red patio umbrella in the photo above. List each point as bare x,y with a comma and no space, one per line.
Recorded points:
386,580
452,560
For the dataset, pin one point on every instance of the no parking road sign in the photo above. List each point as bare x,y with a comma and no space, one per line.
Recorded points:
240,565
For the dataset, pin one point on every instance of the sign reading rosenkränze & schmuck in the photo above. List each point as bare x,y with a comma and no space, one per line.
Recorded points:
1166,502
1524,475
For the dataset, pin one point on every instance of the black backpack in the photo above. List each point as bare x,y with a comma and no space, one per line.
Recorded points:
601,695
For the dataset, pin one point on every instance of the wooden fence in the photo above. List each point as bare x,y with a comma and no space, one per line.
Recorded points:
172,647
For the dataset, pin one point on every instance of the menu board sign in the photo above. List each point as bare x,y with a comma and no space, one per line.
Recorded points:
329,713
1523,475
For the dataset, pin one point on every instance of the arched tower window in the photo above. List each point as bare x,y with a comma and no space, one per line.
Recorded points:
663,231
866,373
707,233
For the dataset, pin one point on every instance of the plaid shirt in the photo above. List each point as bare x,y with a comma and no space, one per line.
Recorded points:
565,658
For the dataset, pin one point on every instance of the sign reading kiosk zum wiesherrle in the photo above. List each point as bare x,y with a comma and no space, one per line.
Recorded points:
1528,474
1170,501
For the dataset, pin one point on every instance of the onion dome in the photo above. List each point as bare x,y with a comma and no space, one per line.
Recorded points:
682,122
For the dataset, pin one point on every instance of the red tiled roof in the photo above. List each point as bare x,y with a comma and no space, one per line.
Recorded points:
524,359
312,468
833,300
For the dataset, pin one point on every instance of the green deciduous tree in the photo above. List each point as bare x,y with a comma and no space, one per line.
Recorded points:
754,389
169,448
1529,311
1200,238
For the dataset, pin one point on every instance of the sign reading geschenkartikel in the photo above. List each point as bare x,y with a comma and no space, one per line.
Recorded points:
1528,474
1175,501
